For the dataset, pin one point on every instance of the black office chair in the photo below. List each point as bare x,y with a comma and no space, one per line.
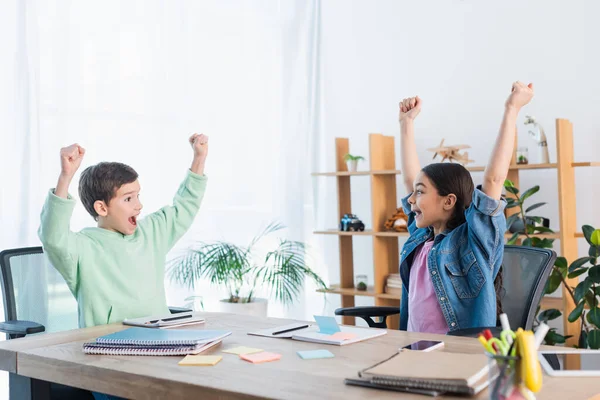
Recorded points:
33,290
525,271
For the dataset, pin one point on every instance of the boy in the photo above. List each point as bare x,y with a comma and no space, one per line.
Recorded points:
116,270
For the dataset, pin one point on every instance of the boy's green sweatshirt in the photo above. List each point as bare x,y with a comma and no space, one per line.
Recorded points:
114,276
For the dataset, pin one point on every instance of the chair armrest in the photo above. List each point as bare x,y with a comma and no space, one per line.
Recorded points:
367,313
474,332
21,327
177,310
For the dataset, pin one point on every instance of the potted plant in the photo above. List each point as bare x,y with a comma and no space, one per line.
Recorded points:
242,270
352,161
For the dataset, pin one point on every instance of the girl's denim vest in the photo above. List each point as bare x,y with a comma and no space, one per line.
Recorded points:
462,263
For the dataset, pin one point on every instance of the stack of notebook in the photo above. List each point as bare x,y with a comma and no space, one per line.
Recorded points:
431,373
154,342
393,285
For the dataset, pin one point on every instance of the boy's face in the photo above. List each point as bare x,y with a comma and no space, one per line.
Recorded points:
123,209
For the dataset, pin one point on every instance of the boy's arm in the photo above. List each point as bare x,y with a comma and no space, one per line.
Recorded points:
497,168
409,109
170,223
60,244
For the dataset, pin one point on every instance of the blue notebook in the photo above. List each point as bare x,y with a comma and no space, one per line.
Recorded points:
162,337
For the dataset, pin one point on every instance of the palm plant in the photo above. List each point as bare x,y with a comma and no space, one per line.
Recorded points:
281,271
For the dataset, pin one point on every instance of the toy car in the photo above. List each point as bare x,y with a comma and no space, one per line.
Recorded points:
350,223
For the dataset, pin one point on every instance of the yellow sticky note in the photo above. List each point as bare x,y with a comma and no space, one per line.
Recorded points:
257,358
242,350
190,360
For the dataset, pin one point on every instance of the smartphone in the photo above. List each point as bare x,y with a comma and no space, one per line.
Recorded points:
424,345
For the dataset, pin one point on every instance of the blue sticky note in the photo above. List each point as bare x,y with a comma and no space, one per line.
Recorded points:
327,325
314,354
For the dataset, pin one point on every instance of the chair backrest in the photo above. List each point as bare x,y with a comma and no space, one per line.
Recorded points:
525,271
33,290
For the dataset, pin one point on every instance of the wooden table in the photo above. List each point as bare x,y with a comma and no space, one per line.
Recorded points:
57,357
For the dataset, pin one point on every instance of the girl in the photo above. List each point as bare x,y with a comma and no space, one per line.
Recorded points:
454,252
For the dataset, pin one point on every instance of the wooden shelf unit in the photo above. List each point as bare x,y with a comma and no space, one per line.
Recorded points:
383,174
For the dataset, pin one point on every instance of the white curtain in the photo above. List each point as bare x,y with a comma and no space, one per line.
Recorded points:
130,81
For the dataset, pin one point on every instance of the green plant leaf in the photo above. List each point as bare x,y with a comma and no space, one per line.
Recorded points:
539,220
513,190
583,339
590,298
576,313
579,263
594,274
561,262
576,273
593,317
554,281
593,339
542,229
534,206
549,315
527,242
554,338
596,237
513,239
587,233
581,289
508,183
529,192
594,251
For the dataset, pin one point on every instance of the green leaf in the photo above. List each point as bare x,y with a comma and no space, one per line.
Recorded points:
594,251
579,263
546,243
593,316
587,233
576,273
583,340
554,281
512,189
548,315
590,298
581,289
539,220
562,265
527,242
513,238
554,338
594,274
576,313
596,237
529,192
593,339
534,206
542,229
508,183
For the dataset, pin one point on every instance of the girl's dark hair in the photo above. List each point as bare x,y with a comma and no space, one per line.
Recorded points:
101,182
452,179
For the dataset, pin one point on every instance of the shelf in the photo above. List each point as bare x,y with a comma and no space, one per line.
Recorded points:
546,303
365,233
358,173
370,292
517,166
586,164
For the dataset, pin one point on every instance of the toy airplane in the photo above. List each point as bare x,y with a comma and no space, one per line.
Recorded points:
452,153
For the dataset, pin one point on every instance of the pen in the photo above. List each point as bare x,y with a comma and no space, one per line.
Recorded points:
540,334
290,329
506,327
170,319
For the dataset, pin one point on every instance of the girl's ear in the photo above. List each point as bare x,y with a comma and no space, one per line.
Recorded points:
450,202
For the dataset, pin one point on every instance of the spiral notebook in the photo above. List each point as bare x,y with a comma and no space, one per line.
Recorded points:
131,350
464,374
159,337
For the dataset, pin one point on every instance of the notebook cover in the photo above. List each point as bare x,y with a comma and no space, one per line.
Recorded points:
152,337
132,350
361,334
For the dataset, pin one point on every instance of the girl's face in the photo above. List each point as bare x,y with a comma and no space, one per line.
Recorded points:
430,208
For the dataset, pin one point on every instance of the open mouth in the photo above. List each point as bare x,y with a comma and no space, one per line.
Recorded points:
133,220
417,213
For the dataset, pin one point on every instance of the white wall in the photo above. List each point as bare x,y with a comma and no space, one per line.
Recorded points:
461,58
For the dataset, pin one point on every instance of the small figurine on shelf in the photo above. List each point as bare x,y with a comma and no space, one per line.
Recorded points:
452,153
538,134
352,161
361,282
397,222
351,223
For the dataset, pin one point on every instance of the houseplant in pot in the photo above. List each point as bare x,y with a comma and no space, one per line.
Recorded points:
352,161
243,271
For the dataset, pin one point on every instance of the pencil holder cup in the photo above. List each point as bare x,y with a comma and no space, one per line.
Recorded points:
504,378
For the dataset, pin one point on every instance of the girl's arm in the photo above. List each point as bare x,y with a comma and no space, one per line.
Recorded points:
497,168
409,109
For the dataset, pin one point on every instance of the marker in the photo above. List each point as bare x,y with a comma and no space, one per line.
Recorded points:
506,327
540,334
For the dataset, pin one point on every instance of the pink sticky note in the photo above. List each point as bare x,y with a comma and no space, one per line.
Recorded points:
343,336
262,357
